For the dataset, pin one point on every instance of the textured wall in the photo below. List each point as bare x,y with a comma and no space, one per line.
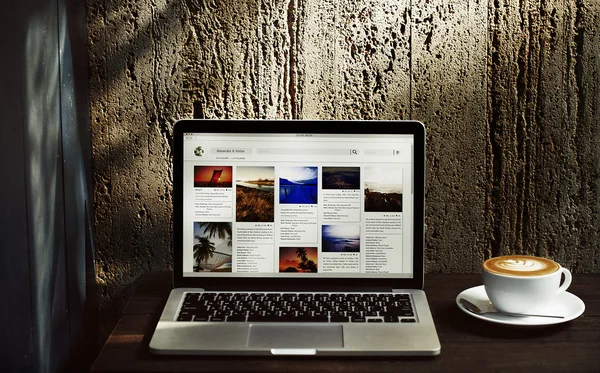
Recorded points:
509,92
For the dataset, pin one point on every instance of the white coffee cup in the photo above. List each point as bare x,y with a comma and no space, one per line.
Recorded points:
524,284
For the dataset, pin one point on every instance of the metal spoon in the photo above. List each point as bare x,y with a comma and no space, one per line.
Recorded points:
473,308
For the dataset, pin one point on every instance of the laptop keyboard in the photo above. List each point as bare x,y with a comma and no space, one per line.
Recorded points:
297,307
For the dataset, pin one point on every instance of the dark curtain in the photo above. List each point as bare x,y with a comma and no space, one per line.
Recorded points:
47,317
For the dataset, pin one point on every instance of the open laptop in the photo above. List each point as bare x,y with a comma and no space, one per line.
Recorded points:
296,237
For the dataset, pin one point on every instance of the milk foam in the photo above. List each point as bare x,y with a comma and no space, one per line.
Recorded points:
526,265
520,265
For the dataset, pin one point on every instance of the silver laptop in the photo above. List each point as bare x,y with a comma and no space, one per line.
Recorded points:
297,238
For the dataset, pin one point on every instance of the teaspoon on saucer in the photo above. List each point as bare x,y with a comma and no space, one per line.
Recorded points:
473,308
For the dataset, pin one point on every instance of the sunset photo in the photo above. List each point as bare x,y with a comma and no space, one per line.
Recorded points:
298,259
255,194
213,176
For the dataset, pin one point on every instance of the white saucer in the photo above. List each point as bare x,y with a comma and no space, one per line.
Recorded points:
567,305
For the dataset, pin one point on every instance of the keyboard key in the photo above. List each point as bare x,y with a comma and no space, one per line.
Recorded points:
393,311
339,318
322,297
236,318
356,314
256,317
308,318
208,296
192,297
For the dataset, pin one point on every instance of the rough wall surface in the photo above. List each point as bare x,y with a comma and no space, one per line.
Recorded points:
509,92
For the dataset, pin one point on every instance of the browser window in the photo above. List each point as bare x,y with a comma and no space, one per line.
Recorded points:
298,205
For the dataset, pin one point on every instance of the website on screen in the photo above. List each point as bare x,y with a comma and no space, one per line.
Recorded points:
297,205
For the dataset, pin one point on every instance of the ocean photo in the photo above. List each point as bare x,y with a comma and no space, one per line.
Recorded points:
298,185
383,189
341,238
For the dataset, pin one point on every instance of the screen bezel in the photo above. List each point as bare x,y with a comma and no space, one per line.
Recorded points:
396,127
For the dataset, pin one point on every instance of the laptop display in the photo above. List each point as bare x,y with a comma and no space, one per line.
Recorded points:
291,204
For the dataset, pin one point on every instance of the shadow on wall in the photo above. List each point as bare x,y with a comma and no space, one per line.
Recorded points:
131,148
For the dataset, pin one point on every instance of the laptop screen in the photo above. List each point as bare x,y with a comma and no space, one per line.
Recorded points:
297,204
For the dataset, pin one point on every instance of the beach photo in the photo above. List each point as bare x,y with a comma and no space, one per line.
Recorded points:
213,176
383,189
298,185
298,259
341,177
255,194
212,247
341,238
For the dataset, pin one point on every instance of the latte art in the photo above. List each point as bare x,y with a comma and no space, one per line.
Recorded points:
520,265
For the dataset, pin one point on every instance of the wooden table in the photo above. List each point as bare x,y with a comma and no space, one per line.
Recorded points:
468,344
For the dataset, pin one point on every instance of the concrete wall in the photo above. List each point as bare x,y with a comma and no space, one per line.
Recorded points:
509,92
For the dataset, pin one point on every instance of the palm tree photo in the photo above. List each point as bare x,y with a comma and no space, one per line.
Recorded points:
212,246
302,254
203,251
217,229
305,264
298,259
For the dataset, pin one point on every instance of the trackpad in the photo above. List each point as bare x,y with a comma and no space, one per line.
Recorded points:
295,336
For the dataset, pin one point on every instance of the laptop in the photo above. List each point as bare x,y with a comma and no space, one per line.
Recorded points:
297,237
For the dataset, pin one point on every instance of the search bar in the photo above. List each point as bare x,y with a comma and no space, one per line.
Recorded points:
309,151
381,152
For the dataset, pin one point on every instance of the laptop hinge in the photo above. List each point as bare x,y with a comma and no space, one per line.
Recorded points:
398,290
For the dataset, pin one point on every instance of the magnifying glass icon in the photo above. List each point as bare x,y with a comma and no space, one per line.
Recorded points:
353,151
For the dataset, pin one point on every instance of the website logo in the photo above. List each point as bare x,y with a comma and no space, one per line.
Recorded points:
199,151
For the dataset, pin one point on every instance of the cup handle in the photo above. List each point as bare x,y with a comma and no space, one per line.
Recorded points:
567,281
